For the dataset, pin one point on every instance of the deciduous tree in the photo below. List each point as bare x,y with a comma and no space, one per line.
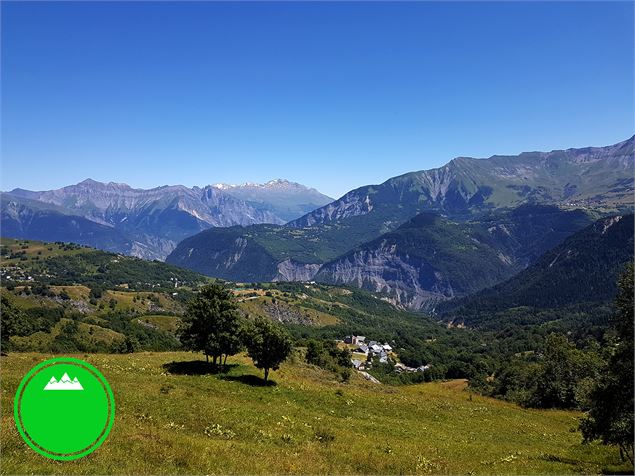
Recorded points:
212,324
268,344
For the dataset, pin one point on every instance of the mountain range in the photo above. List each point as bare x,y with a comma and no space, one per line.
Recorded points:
417,239
430,235
148,223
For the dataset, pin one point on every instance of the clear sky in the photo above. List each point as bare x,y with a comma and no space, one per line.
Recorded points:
332,95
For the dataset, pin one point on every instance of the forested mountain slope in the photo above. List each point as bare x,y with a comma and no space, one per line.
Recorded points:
582,270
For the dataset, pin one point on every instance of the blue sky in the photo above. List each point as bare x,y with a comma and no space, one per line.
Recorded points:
332,95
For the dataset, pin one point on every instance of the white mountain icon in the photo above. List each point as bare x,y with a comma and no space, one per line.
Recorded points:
64,383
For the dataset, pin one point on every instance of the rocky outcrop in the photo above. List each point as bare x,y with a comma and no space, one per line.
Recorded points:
354,203
284,314
407,281
290,270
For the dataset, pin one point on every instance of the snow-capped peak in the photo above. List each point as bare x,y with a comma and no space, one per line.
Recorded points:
270,184
223,186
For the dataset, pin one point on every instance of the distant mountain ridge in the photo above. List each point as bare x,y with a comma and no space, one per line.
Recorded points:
287,200
592,177
152,221
24,217
597,180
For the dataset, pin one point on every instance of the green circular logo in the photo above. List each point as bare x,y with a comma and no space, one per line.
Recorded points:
64,408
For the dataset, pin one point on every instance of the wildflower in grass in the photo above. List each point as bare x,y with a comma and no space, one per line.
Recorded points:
216,430
264,435
174,426
424,465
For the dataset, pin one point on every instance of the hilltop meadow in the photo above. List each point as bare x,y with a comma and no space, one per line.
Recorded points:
175,416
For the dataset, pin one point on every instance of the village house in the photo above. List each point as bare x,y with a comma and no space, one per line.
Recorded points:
358,364
362,349
376,349
354,340
399,368
373,349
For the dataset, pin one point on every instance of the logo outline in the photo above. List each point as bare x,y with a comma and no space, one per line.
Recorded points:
101,438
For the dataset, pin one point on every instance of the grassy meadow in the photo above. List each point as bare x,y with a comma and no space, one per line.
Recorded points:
173,416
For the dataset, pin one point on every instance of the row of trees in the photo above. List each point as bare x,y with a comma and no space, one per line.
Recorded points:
213,325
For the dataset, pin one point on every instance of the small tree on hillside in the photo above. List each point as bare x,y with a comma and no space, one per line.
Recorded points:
267,344
212,324
610,418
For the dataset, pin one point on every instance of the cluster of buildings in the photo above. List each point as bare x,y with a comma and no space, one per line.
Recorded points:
371,350
400,368
374,349
14,273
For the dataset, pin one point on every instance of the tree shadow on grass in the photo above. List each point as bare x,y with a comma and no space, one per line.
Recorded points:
611,470
197,367
252,380
582,464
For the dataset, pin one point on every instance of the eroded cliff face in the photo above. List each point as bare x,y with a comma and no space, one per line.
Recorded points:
228,256
152,247
430,259
405,281
290,270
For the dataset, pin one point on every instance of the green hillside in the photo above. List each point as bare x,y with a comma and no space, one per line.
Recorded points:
82,308
431,258
66,263
67,318
79,307
308,423
63,297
